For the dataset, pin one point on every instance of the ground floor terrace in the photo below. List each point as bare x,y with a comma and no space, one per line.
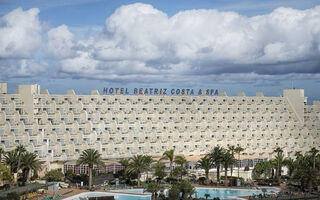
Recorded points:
246,163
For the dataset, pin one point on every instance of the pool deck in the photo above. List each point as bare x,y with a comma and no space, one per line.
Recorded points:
68,192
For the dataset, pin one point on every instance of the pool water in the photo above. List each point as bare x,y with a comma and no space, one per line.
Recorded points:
222,193
135,191
116,195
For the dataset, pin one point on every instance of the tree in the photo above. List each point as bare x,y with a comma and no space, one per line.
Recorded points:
183,188
181,161
5,173
262,169
29,162
290,164
238,150
54,175
138,164
20,149
169,155
90,157
178,172
313,153
216,156
11,159
174,192
226,160
69,175
298,155
279,158
159,171
123,173
148,161
124,162
304,172
232,149
2,153
153,187
273,167
206,164
186,189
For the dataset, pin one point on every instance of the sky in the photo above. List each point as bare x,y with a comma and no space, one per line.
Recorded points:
233,46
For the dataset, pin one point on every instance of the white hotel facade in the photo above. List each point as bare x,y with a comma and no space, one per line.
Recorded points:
59,127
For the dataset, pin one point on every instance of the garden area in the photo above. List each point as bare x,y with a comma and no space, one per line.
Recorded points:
19,169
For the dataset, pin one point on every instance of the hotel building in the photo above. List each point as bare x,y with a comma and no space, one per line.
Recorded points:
58,127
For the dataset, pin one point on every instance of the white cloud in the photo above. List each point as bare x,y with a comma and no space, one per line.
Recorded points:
142,44
83,64
29,68
60,43
20,43
143,41
19,33
11,68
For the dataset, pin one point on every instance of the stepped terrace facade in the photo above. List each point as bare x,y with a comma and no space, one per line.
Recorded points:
60,127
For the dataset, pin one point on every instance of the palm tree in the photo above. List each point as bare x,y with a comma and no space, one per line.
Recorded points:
29,162
238,150
298,155
148,161
20,150
138,164
180,160
153,187
216,157
304,171
313,153
279,158
90,157
290,164
11,159
232,149
206,164
2,152
125,163
169,155
227,159
273,163
186,189
159,170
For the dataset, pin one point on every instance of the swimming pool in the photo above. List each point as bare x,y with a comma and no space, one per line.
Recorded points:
117,196
225,193
222,193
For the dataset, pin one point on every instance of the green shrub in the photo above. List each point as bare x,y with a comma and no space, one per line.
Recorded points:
35,176
12,196
174,192
69,173
53,175
202,180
